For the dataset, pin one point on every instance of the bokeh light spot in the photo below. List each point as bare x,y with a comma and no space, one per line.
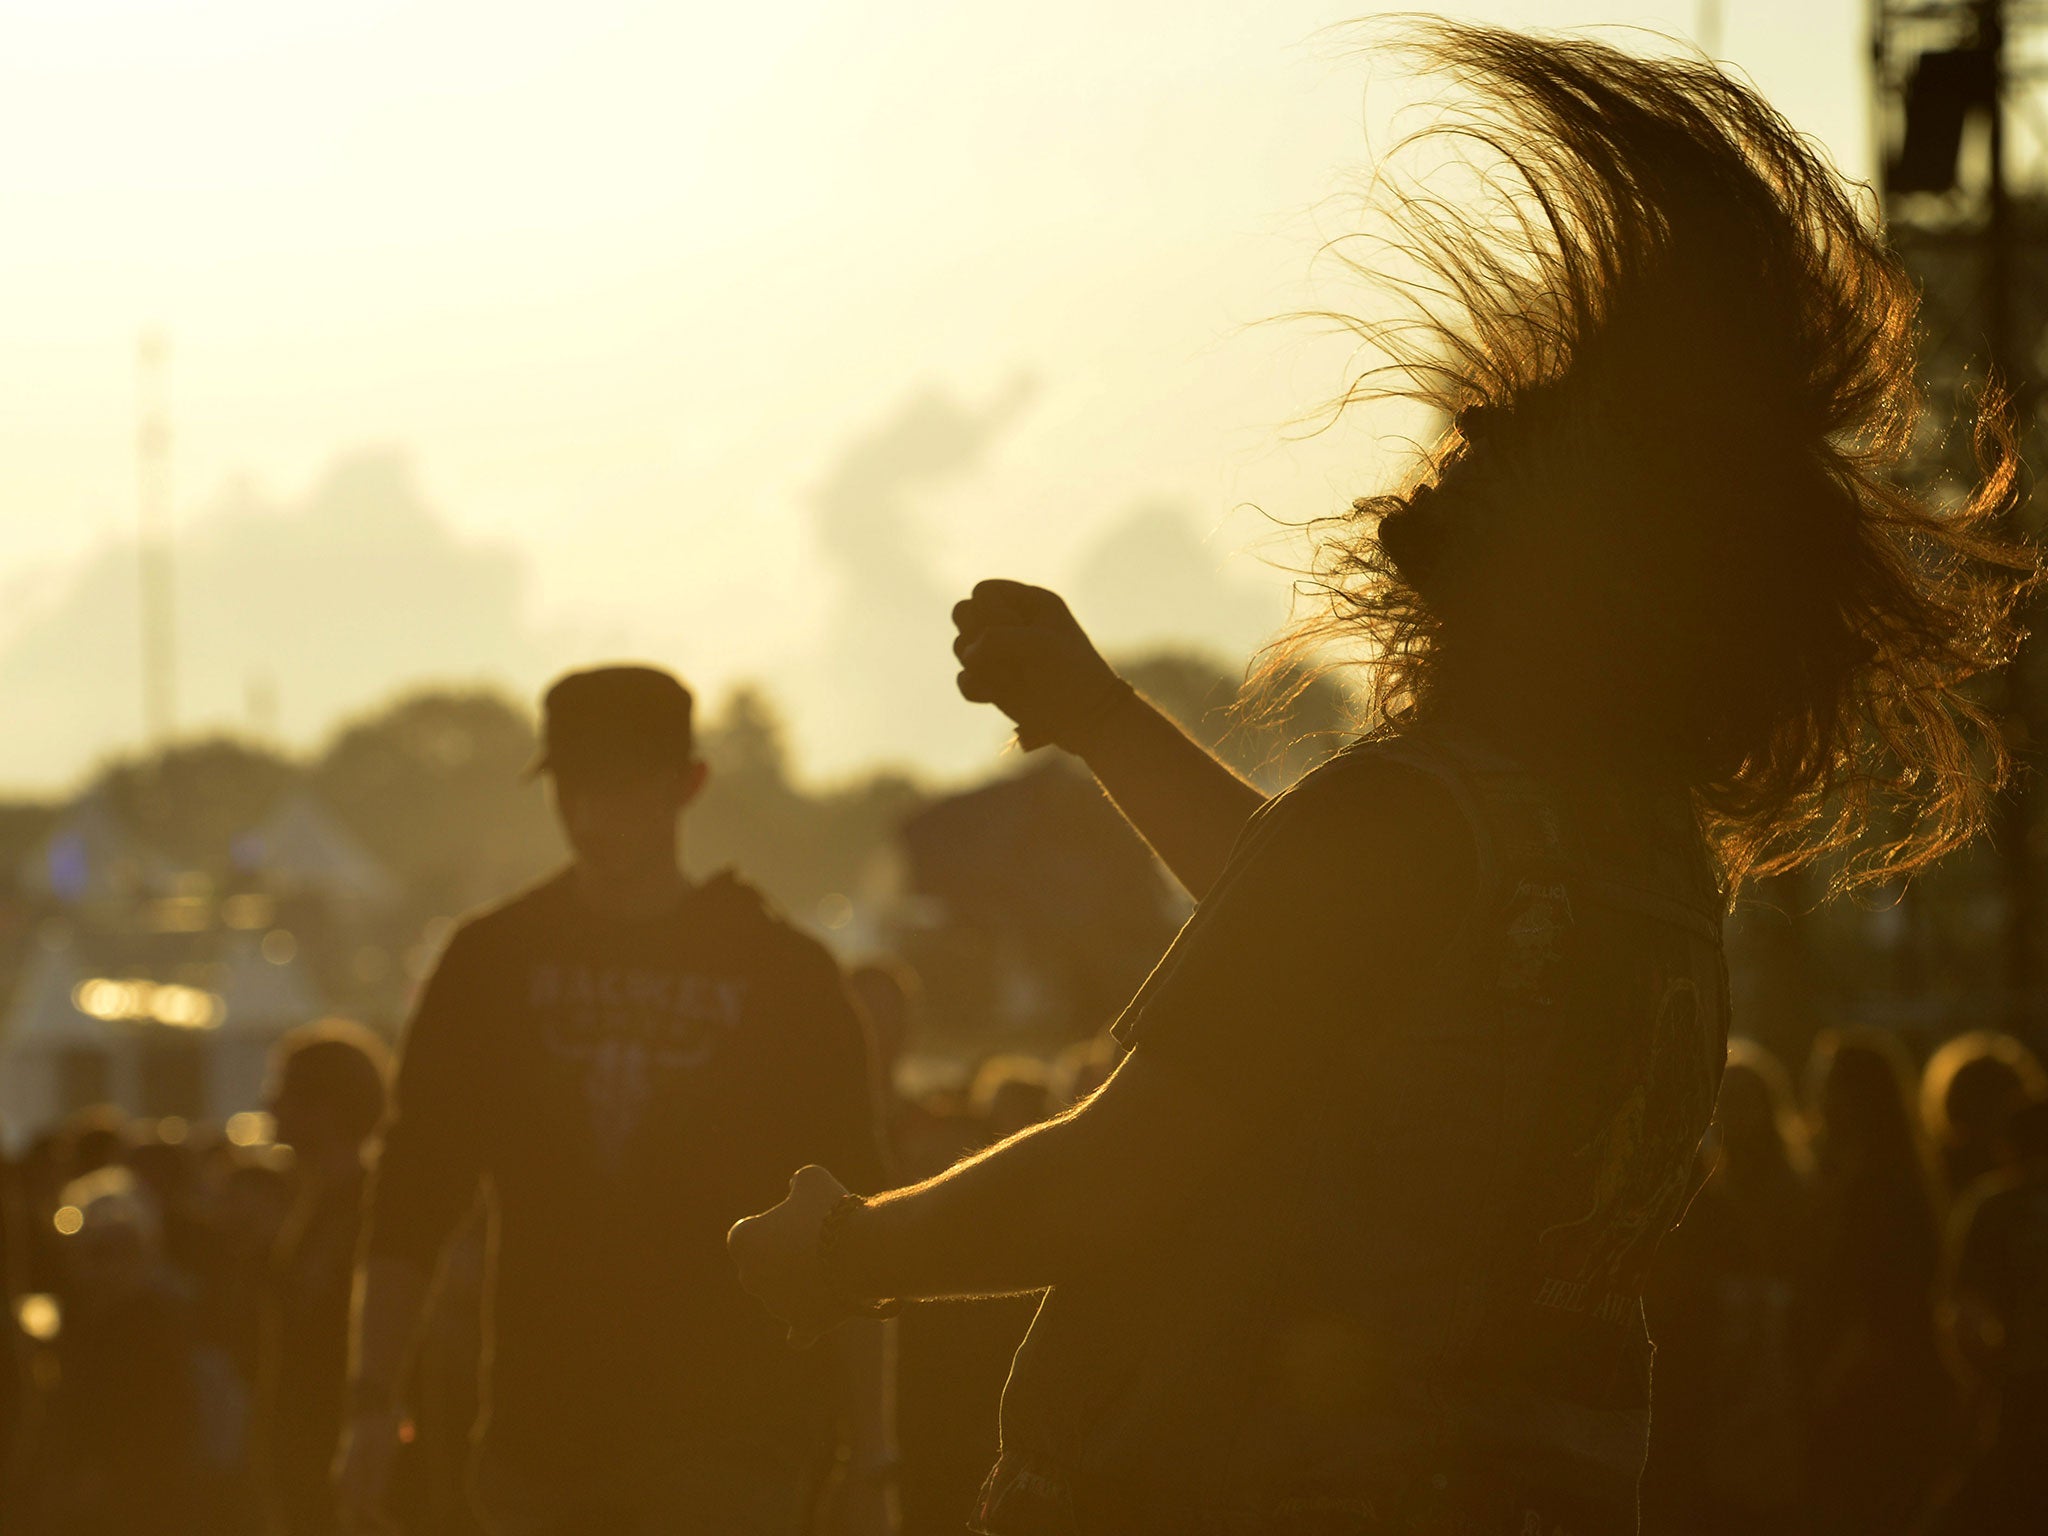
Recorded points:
39,1316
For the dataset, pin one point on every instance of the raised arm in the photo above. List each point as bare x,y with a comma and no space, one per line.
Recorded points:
1021,650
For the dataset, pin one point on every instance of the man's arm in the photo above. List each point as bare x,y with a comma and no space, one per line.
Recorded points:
425,1180
390,1302
1021,650
390,1299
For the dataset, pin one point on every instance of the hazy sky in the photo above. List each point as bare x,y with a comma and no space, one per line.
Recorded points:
637,289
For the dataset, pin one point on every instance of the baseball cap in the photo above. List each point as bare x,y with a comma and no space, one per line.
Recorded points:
625,715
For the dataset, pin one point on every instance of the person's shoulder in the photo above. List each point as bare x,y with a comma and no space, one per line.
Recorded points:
753,922
1371,788
1995,1199
541,902
1378,761
1368,829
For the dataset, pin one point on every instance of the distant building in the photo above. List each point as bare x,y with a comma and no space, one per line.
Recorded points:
1036,911
300,849
160,990
91,858
91,1022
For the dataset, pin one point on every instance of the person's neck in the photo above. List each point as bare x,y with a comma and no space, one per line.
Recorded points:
633,898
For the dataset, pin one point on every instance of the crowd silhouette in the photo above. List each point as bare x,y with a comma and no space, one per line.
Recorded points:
1366,1215
1851,1320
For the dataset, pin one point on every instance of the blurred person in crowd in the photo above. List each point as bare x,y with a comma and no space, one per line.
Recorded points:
1996,1295
167,1165
204,1244
94,1138
1082,1068
627,1060
890,994
1880,1409
1725,1439
936,1131
1009,1093
1354,1239
125,1447
1969,1092
250,1209
326,1102
430,1483
13,1342
1762,1159
40,1175
931,1131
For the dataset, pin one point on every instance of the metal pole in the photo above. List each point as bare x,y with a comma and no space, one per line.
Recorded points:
153,506
1706,29
2013,369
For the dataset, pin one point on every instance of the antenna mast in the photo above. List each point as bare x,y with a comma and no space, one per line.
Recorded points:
153,510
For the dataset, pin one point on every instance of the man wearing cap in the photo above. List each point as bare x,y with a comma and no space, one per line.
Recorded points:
625,1061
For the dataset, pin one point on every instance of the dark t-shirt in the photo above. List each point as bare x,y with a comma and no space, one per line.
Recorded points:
1478,1034
626,1092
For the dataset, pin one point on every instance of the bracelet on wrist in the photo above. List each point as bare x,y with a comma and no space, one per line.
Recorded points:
832,1263
831,1250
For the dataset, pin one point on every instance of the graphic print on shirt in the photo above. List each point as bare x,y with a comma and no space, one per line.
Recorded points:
635,1033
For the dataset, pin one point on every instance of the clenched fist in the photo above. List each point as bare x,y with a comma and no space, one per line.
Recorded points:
1021,650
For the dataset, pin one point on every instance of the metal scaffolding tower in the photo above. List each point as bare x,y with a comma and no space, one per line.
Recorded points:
1960,92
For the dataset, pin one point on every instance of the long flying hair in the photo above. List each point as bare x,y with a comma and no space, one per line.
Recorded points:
1666,527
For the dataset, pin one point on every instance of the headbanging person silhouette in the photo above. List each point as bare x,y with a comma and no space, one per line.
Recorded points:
1353,1240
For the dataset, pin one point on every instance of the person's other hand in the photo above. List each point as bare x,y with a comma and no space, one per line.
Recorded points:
362,1471
777,1256
1021,650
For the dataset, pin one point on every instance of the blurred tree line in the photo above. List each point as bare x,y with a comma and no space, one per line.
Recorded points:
1002,898
1029,907
434,788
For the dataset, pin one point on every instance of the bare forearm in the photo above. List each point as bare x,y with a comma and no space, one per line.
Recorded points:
1049,1205
391,1296
1012,1219
1185,802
